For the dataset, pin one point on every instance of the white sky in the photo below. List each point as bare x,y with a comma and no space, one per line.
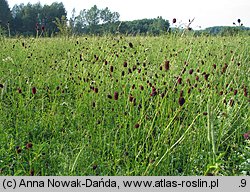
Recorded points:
206,12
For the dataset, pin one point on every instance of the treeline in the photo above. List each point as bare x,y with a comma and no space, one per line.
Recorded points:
226,30
49,20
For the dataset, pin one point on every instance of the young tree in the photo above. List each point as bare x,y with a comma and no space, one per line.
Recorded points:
64,29
81,22
107,16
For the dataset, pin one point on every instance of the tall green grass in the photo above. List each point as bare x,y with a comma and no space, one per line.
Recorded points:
59,114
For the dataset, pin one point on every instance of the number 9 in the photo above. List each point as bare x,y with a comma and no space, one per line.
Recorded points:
243,182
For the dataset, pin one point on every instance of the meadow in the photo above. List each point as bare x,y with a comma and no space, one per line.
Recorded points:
117,105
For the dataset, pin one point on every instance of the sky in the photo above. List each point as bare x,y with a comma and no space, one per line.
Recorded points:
207,13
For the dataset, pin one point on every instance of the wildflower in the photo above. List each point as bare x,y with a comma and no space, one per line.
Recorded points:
231,102
181,93
154,92
130,45
206,76
235,92
111,68
163,94
224,68
205,113
179,80
134,67
32,172
209,174
174,20
141,87
125,64
19,90
29,145
131,98
96,90
166,65
245,91
246,135
116,95
181,101
18,149
191,71
95,166
137,125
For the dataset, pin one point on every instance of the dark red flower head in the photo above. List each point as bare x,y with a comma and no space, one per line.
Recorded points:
96,90
125,64
191,71
181,101
154,92
18,149
246,135
174,20
116,96
166,65
32,172
19,90
33,90
29,145
179,80
137,125
111,69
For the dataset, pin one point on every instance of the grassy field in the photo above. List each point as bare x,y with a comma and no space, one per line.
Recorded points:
125,106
